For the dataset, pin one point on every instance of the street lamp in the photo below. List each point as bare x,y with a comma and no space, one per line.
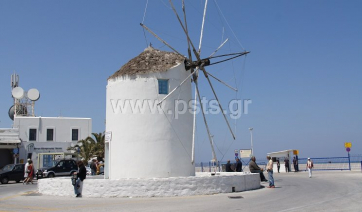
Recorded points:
251,138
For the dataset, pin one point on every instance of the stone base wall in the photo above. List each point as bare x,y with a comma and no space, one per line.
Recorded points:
201,184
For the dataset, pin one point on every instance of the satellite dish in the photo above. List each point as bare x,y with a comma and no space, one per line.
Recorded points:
18,93
20,110
33,94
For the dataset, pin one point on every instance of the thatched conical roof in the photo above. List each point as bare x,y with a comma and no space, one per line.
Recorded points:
149,61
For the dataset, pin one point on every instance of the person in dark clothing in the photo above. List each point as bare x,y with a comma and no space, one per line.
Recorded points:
81,175
295,164
238,165
254,168
286,163
278,165
228,167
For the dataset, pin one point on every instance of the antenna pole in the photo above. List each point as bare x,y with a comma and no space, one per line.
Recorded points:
32,108
15,108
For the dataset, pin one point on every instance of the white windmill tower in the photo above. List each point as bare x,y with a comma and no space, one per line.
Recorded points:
151,145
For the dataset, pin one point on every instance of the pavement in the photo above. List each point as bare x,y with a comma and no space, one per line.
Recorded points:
294,192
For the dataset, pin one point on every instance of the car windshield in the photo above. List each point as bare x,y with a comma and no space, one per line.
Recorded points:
8,167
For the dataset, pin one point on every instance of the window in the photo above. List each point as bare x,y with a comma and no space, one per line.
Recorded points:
69,164
162,86
60,164
74,134
19,168
32,134
50,134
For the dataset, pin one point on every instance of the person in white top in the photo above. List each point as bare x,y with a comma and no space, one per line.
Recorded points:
25,170
309,167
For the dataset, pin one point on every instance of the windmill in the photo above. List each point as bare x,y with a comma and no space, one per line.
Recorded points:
195,66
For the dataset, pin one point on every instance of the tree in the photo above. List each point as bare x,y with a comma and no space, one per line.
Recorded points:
90,147
86,149
99,144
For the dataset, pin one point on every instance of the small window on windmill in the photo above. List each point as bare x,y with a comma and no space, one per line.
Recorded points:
162,86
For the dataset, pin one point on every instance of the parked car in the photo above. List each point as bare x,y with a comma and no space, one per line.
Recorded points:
64,167
12,172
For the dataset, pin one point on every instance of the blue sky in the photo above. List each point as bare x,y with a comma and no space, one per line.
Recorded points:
303,74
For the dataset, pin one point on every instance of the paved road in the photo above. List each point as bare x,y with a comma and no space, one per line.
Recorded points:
295,192
13,189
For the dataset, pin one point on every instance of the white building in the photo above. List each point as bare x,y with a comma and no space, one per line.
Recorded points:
146,143
49,135
31,135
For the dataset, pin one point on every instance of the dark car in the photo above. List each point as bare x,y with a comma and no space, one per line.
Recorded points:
12,172
62,168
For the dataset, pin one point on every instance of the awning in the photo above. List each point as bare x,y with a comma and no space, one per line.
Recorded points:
283,153
9,141
9,136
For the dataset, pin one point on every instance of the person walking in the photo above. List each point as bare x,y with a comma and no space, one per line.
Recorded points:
29,173
81,175
228,167
26,174
286,163
269,169
278,165
238,165
309,167
254,168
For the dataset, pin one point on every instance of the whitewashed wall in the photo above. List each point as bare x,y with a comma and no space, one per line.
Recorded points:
202,184
149,145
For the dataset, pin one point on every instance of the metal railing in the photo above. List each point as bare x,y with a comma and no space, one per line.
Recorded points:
353,162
